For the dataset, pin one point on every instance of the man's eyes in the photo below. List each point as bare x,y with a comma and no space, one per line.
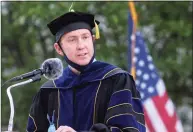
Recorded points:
71,39
85,37
75,39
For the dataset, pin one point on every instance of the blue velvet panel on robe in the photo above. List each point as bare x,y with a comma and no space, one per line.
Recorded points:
77,95
119,98
31,126
128,111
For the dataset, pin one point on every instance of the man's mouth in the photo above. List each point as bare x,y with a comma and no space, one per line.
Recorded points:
82,54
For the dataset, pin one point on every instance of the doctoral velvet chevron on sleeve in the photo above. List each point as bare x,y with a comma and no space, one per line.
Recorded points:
125,111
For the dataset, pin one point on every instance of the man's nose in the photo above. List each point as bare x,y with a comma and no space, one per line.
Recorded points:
80,44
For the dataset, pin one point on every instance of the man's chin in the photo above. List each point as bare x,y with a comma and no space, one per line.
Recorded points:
83,63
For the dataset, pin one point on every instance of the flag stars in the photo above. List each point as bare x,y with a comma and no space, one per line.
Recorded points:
139,72
142,95
143,85
137,50
145,76
151,67
150,89
141,63
137,82
135,59
149,58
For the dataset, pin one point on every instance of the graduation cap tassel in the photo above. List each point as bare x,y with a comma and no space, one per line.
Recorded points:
97,34
70,9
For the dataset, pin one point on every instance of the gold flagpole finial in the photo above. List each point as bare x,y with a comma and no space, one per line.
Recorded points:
133,11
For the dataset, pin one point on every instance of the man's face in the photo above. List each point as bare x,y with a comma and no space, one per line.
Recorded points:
77,45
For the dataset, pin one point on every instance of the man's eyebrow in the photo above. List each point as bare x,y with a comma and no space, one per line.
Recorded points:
85,34
74,36
71,37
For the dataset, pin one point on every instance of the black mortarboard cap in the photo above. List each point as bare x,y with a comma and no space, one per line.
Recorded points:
72,21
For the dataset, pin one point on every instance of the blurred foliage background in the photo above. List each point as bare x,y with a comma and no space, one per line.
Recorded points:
26,42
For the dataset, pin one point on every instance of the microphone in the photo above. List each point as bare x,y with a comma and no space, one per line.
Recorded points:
51,68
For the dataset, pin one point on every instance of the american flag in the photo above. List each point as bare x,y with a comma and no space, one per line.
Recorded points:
160,114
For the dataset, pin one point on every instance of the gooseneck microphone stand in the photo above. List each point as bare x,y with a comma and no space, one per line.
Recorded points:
33,79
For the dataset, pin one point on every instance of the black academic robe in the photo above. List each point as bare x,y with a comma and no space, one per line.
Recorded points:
102,98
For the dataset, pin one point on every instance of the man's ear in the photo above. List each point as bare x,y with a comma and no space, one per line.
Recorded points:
93,38
58,49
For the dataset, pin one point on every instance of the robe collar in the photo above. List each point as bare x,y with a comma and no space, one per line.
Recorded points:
95,72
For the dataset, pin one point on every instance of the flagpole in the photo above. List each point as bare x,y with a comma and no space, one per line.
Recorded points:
131,6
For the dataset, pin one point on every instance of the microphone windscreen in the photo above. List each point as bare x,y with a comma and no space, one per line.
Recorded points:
53,68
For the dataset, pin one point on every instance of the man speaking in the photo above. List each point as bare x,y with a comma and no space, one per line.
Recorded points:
90,95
